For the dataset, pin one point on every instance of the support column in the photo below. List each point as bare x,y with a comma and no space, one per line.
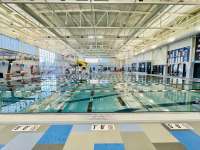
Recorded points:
190,67
165,72
190,64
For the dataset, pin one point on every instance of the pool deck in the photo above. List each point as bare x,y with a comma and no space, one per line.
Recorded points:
100,117
126,134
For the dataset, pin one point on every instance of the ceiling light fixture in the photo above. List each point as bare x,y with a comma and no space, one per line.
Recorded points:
197,28
100,37
172,39
91,37
143,50
154,46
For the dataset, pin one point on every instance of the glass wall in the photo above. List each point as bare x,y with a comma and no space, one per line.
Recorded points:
47,61
9,43
51,63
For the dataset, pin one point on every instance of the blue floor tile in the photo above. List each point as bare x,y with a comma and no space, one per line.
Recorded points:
1,146
56,134
109,147
190,139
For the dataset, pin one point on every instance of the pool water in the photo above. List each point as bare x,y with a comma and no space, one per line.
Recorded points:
106,92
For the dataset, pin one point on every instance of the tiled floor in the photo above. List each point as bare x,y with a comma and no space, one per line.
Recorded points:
131,136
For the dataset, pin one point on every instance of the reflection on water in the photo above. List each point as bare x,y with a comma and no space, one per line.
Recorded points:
114,92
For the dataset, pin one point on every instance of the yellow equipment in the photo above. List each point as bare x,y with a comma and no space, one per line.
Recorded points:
82,64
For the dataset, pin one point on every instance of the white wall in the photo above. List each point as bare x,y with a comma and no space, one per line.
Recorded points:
143,57
183,43
159,56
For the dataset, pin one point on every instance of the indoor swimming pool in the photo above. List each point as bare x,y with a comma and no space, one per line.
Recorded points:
108,92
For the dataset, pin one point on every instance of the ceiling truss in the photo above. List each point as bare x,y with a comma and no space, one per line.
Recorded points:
100,28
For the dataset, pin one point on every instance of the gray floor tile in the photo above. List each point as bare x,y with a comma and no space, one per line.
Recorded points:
136,141
23,141
130,128
48,147
86,141
157,133
43,128
196,126
7,135
82,128
169,146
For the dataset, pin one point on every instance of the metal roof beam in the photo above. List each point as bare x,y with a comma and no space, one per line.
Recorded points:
40,20
109,11
95,10
103,27
149,18
157,2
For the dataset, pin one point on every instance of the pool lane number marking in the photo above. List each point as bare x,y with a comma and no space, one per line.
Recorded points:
177,126
103,127
25,128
